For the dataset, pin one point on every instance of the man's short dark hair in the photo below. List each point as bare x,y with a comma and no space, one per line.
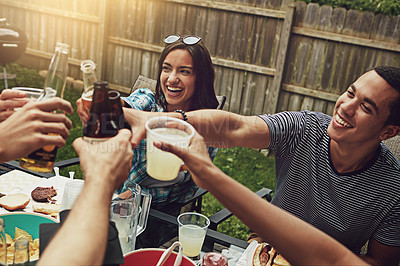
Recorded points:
392,76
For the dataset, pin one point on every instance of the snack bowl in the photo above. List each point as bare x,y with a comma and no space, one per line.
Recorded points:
26,221
150,256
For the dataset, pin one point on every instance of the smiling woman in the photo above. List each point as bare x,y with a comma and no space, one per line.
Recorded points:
185,82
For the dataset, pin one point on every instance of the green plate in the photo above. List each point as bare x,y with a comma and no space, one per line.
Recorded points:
27,221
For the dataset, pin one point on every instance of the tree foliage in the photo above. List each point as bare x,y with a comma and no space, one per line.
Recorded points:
386,7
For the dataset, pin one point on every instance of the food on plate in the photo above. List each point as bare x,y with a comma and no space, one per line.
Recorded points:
266,255
46,208
43,194
33,245
14,201
279,260
214,259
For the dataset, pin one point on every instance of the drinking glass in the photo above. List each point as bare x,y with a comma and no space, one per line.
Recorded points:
192,231
21,251
31,93
163,165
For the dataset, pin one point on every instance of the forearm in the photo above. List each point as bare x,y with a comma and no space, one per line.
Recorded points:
90,218
298,241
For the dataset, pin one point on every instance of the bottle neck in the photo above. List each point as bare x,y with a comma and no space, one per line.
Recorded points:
100,102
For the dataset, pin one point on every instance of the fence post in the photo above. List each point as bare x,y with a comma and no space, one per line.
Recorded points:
273,92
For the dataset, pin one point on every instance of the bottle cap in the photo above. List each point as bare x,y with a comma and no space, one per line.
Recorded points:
100,84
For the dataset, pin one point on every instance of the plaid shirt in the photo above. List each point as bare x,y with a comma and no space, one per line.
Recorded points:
143,99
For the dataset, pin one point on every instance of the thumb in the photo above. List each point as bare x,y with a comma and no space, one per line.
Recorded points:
170,148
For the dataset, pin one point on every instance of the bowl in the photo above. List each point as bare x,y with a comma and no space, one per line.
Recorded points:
27,221
150,256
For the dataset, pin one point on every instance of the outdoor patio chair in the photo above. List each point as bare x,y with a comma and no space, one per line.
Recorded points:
394,145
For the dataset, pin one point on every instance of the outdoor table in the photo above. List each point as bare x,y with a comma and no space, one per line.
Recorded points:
214,241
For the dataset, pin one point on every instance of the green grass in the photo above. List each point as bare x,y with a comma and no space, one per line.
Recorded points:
248,166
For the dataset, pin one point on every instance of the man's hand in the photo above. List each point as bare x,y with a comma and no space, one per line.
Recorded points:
196,157
28,129
137,119
108,161
10,99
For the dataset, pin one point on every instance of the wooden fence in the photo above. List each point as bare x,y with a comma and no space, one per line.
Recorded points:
269,55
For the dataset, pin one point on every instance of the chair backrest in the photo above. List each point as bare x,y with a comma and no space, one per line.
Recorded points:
144,82
394,145
221,100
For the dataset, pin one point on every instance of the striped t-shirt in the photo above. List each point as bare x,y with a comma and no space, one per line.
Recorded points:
351,207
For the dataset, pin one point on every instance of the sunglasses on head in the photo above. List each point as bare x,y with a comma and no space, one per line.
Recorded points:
188,40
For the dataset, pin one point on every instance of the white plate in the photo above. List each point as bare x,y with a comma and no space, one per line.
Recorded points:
17,181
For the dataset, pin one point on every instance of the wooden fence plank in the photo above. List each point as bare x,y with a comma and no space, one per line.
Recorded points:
225,87
273,93
218,81
126,67
302,60
270,42
222,40
211,34
260,95
248,96
255,46
136,64
236,91
318,61
246,31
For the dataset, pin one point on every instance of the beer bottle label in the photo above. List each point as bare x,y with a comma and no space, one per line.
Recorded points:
94,140
43,155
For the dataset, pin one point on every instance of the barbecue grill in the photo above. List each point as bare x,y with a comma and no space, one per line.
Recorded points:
13,43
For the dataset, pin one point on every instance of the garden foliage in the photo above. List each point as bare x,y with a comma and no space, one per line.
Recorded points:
386,7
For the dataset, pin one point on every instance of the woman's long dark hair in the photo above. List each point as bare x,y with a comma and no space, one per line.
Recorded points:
204,94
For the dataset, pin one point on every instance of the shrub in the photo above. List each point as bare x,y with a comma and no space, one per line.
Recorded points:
386,7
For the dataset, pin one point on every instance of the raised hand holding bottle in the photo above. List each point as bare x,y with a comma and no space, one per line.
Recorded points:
43,159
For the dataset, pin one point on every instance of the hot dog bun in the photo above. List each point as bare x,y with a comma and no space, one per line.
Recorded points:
46,208
265,255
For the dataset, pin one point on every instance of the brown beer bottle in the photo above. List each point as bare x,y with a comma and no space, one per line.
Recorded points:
117,115
101,124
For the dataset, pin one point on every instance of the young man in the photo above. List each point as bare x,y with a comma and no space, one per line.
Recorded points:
299,242
333,173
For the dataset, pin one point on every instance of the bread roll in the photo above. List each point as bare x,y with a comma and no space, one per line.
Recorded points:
14,201
46,208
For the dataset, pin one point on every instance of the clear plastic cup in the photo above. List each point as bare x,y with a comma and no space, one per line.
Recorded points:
163,165
192,231
71,192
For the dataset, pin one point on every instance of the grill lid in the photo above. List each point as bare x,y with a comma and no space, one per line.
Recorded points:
13,42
